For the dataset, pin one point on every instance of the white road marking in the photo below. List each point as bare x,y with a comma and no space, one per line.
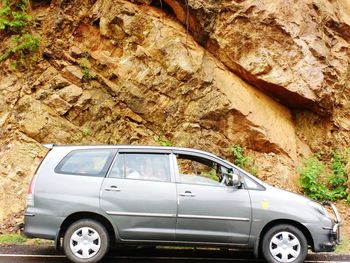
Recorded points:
31,256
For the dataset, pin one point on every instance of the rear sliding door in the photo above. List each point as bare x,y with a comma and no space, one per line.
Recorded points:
140,196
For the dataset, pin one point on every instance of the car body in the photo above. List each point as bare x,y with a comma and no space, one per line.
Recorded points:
92,196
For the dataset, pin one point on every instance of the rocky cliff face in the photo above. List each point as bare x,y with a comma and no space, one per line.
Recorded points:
298,55
202,74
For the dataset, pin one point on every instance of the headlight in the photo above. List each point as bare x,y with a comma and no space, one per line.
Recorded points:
318,207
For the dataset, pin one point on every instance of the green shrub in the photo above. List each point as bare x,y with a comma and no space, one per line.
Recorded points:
310,179
243,161
313,177
13,16
24,46
339,176
15,22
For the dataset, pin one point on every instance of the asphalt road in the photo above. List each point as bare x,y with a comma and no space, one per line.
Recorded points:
21,254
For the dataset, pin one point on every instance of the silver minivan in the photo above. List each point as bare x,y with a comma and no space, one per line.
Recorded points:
91,197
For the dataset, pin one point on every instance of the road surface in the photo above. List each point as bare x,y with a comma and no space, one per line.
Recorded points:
26,254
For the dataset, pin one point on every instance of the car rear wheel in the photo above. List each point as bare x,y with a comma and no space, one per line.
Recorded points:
284,244
86,241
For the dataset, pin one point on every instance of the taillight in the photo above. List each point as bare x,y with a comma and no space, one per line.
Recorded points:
30,197
31,185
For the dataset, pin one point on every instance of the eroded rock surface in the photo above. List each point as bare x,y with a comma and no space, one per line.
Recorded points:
167,76
298,55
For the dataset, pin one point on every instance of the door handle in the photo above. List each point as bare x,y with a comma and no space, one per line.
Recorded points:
112,188
188,194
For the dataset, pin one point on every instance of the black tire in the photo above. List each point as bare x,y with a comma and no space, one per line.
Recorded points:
85,241
284,243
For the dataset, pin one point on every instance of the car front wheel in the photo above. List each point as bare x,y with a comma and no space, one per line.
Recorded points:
86,241
284,244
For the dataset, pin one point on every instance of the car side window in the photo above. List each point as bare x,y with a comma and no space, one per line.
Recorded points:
117,170
94,162
197,170
148,166
252,185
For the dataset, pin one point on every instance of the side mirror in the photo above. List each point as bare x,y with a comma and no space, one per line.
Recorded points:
236,180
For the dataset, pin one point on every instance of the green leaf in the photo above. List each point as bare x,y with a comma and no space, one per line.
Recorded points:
5,11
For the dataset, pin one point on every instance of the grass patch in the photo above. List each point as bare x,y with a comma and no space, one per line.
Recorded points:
17,239
344,247
43,242
12,239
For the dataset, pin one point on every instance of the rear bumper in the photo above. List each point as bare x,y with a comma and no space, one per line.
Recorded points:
39,225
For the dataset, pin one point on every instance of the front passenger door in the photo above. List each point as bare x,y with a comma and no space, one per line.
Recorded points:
209,211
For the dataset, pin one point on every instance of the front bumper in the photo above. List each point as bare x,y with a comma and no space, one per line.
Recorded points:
326,233
336,230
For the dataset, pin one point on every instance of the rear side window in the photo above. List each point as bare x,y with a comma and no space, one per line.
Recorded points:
145,166
94,162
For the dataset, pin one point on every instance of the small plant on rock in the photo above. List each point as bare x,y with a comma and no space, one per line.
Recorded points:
85,132
242,160
15,23
163,141
24,46
13,16
85,69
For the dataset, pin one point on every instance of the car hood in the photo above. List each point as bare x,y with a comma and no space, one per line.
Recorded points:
288,195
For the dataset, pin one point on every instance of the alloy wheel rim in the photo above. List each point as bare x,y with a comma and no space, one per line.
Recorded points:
85,242
285,247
